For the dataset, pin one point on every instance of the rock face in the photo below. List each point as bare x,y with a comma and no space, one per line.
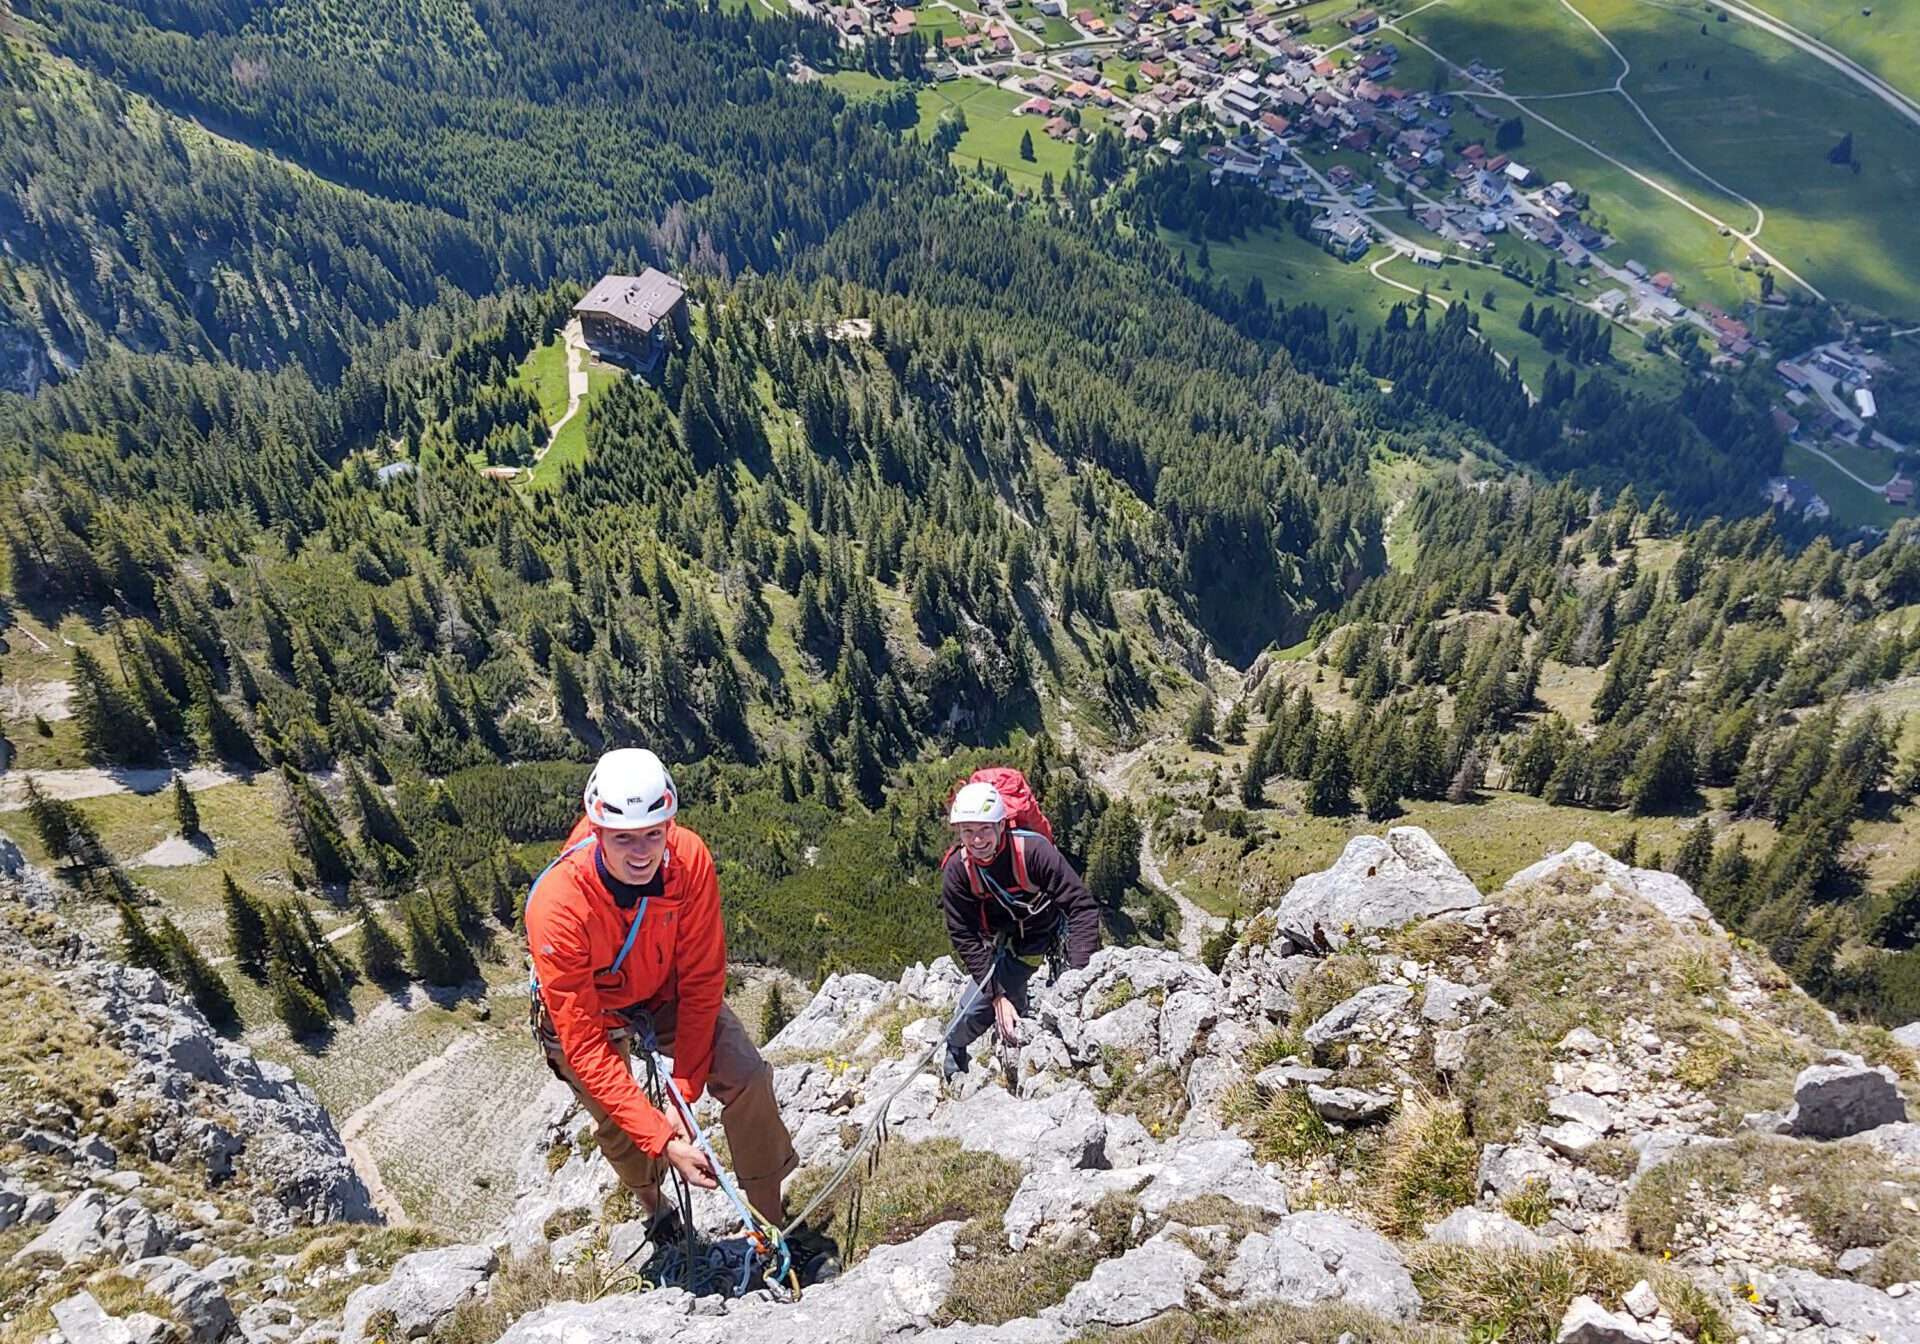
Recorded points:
1663,891
1145,1282
425,1289
1844,1097
1587,1322
1837,1309
1379,882
1312,1258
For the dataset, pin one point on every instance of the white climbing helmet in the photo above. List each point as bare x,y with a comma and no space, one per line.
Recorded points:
629,790
977,802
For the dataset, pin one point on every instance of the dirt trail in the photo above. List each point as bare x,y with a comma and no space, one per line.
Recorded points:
356,1124
1195,924
98,782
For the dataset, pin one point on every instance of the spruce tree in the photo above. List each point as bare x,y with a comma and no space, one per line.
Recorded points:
774,1013
304,1012
113,731
425,955
195,974
457,954
137,941
1200,723
185,811
1113,859
64,830
316,831
464,907
380,956
1695,858
503,900
1234,729
1330,782
331,966
246,928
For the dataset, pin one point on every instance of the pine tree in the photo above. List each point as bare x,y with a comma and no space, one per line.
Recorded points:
774,1013
195,974
1234,728
1330,783
332,967
1253,782
246,928
303,1011
503,899
1695,858
1113,859
1200,723
380,955
137,942
1219,944
113,731
464,907
185,811
316,831
457,954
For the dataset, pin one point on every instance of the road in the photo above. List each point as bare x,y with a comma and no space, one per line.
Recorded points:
1195,924
93,782
1653,184
1748,12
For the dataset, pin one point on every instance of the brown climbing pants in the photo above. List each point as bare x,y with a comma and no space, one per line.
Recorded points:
742,1082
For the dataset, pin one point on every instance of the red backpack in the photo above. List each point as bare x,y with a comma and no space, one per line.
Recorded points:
1023,812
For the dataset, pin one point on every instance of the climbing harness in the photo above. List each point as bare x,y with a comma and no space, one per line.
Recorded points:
732,1266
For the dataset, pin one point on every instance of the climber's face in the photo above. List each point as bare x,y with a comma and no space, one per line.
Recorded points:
980,839
633,856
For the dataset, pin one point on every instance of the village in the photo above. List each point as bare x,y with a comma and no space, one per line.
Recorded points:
1289,100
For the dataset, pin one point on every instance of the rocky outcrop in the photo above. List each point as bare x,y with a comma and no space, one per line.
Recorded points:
1843,1097
425,1289
1312,1258
1663,891
1379,882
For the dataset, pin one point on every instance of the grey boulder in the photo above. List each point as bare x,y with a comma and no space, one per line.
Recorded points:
1844,1097
1146,1281
424,1289
1312,1258
1483,1230
1378,882
1587,1322
1663,891
1361,1015
1349,1105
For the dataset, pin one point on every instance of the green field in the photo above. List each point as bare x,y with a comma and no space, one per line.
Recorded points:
545,371
1853,504
858,83
993,131
1299,272
1745,109
1885,40
1539,45
570,444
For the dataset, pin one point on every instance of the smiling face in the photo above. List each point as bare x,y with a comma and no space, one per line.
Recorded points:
980,839
633,856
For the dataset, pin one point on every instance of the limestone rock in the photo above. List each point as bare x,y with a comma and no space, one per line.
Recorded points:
1642,1301
1582,1108
1844,1097
1908,1035
836,1009
423,1290
1063,1131
1360,1015
1587,1322
1223,1166
1484,1230
1447,1003
1312,1258
1450,1050
1146,1281
1349,1105
1571,1139
73,1235
1840,1305
1378,882
1663,891
1054,1206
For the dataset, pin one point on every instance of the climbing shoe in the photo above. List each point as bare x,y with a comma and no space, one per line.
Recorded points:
816,1256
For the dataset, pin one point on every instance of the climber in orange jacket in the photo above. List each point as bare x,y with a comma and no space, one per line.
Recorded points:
628,918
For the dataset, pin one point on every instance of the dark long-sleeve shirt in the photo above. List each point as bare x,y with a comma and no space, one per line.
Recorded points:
975,922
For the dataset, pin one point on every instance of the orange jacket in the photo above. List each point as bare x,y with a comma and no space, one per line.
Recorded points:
574,931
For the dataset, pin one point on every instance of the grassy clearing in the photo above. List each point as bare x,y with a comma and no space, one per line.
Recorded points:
570,444
859,84
545,371
993,131
1883,38
913,1187
1847,1193
992,1285
1852,503
1543,48
1518,1297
